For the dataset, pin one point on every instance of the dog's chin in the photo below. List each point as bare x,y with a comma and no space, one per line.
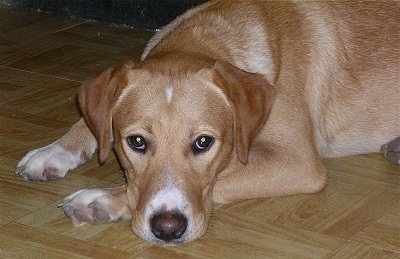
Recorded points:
153,240
179,241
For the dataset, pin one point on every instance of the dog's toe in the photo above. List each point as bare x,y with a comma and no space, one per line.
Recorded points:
41,173
29,174
391,150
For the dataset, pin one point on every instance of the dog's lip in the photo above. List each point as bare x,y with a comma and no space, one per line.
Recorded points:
153,240
179,241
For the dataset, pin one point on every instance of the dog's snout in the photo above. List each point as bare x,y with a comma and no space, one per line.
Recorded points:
168,225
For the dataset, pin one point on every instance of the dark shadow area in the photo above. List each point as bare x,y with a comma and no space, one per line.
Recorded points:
146,14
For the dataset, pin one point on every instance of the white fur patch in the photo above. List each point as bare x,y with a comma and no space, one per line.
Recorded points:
258,55
169,93
168,199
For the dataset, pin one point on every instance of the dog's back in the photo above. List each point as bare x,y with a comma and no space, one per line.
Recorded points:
343,56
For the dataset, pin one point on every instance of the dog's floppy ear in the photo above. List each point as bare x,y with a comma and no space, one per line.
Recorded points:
97,97
250,96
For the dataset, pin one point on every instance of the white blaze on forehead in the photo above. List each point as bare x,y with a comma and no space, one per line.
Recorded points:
169,93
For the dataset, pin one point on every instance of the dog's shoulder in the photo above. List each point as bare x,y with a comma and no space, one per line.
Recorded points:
161,33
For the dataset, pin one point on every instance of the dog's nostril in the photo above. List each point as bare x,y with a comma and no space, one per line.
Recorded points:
168,225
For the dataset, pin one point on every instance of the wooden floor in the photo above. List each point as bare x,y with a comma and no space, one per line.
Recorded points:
43,59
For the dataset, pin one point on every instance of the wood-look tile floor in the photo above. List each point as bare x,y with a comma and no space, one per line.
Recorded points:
43,59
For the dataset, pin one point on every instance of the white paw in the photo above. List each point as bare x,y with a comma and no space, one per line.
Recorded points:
91,206
48,163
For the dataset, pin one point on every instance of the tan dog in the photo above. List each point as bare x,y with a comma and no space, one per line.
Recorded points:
233,100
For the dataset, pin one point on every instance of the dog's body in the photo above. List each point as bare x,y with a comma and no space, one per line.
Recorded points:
233,100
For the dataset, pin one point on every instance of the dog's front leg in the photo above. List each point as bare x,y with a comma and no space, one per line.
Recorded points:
90,206
55,160
271,171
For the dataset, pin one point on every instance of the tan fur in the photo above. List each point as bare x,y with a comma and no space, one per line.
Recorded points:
278,84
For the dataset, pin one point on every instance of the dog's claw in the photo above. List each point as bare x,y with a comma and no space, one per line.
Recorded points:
19,169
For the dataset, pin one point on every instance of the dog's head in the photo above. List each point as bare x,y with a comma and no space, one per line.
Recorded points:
174,131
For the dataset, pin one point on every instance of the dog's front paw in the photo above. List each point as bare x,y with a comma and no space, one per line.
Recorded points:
47,163
92,206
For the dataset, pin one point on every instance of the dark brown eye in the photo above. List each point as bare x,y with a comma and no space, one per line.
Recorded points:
137,143
202,144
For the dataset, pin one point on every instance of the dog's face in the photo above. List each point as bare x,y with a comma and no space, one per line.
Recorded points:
173,133
172,141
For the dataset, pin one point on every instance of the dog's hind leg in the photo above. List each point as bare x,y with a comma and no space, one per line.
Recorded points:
271,171
391,150
90,206
55,160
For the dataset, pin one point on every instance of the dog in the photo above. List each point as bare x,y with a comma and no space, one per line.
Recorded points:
232,100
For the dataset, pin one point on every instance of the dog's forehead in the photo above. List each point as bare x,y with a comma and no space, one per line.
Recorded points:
156,96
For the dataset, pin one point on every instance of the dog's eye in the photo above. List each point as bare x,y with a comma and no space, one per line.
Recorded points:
137,143
202,144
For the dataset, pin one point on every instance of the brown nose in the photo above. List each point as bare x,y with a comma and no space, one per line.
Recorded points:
168,225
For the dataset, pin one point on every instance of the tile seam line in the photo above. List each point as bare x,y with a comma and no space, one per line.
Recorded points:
72,26
40,74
